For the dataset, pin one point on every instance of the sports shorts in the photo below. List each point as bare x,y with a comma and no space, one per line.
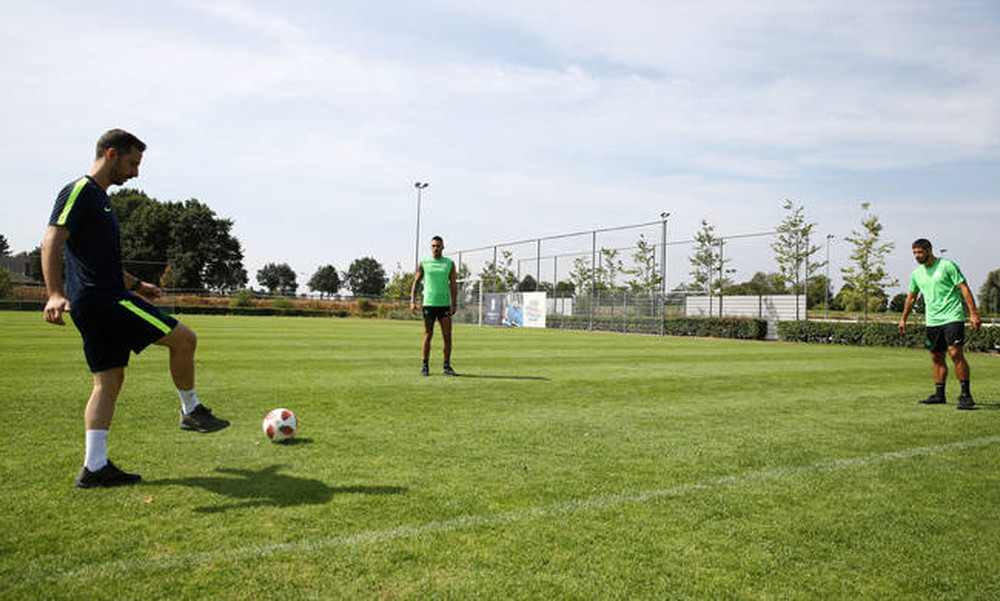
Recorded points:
111,328
939,338
432,314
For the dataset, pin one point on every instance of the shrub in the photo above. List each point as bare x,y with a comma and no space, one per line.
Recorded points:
987,339
243,298
714,327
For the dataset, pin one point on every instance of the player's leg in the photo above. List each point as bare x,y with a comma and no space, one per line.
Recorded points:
97,469
958,359
428,336
446,344
182,343
938,349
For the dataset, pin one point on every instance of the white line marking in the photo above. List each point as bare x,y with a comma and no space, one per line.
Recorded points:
116,568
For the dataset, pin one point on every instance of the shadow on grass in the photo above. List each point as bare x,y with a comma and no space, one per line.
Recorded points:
988,405
266,487
484,377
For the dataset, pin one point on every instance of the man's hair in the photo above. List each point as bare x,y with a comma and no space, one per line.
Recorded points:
120,140
923,243
439,239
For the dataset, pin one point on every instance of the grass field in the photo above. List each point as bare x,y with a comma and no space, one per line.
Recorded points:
563,465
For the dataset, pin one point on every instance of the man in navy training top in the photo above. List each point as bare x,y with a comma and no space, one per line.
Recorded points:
109,306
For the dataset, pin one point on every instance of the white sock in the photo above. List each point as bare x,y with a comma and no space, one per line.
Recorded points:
189,400
97,450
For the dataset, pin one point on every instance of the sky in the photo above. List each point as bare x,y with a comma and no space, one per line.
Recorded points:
307,123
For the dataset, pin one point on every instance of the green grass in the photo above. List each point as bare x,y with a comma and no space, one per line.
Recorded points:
574,465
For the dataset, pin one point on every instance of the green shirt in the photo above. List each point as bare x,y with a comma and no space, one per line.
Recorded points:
437,282
939,285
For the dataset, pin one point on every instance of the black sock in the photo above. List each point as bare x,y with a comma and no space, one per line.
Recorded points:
425,362
939,390
965,387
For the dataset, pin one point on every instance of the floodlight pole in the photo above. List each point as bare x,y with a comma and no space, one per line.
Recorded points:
416,246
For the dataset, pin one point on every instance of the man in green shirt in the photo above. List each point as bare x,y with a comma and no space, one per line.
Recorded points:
440,294
944,287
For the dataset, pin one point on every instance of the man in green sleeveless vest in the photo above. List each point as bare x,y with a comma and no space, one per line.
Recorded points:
440,295
944,287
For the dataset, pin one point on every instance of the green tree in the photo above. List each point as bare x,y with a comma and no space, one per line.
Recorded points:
989,293
818,291
793,249
581,275
6,282
326,280
4,246
611,266
366,277
867,277
188,236
400,283
760,284
707,261
499,276
565,288
528,284
278,278
646,277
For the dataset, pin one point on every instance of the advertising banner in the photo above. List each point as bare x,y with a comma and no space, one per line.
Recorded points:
515,309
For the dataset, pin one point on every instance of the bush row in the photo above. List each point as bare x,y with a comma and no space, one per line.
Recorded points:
879,334
712,327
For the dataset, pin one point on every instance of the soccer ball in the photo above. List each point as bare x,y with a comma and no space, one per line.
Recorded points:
280,425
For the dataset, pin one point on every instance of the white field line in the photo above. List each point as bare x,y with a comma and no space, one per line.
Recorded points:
189,560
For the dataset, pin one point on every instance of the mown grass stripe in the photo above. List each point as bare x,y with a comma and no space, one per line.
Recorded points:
116,568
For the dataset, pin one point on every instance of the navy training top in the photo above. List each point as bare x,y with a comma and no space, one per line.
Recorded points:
93,250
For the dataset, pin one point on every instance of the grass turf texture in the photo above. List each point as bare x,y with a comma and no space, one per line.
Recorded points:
563,465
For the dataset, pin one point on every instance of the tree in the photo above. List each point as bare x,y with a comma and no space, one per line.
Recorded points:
611,266
898,302
4,246
707,262
818,291
565,288
326,280
989,293
528,284
366,277
645,276
186,237
581,274
761,283
6,282
499,276
400,283
792,248
278,278
867,277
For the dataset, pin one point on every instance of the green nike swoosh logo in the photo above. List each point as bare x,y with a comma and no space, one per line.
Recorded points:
107,209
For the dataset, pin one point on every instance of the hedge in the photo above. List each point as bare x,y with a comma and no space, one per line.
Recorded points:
713,327
879,334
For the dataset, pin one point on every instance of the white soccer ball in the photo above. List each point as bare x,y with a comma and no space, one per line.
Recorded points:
280,425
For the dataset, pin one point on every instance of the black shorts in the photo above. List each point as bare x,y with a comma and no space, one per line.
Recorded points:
114,327
432,314
939,338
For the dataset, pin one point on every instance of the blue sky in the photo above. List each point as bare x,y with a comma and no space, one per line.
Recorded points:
308,122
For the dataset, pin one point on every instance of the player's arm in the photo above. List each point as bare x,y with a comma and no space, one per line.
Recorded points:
453,288
910,299
52,264
417,277
146,290
970,302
